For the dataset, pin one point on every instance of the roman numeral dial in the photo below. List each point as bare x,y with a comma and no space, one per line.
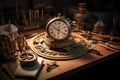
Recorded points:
58,29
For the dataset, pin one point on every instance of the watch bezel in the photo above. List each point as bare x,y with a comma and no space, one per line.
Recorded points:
58,19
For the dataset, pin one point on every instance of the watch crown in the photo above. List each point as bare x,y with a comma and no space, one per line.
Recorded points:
59,14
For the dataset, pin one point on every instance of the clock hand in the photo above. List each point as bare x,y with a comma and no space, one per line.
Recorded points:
58,30
58,34
55,28
61,32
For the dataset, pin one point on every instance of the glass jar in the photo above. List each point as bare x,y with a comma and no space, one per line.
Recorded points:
81,17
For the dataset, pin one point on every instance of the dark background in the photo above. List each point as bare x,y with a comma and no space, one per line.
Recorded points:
103,9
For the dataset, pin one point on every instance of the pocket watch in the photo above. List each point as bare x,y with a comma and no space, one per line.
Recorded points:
58,33
58,29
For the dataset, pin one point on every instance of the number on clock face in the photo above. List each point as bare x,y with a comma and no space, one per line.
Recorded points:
58,30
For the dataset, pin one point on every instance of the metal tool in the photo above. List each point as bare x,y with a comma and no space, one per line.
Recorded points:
95,52
107,46
51,66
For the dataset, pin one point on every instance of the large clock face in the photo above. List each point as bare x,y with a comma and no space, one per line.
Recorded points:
58,29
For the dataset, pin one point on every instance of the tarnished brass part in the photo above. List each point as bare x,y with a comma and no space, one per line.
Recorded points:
58,44
7,46
10,44
79,47
51,66
27,59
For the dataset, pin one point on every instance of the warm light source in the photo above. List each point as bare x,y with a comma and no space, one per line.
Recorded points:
9,42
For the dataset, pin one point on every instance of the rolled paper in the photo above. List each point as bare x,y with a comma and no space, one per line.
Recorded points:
42,14
3,20
25,21
37,25
35,15
17,13
9,26
23,14
37,11
30,15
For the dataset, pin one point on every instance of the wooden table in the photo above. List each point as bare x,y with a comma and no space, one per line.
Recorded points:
69,67
72,66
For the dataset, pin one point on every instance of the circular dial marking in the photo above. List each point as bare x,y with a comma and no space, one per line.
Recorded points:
58,29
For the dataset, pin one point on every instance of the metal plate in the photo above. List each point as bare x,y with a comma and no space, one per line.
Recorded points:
79,48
